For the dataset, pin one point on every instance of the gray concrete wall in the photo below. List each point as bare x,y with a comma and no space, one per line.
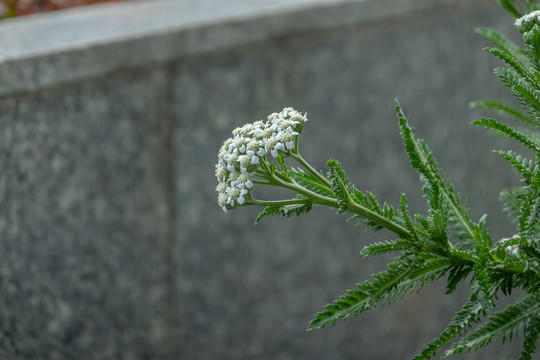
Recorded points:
112,245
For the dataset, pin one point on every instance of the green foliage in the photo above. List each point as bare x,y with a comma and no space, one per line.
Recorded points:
504,324
503,109
310,182
468,315
401,278
509,6
284,210
508,131
445,243
339,184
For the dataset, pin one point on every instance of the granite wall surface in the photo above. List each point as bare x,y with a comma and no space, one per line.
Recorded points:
112,245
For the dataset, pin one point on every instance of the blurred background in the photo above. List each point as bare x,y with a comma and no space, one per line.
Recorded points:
112,245
13,8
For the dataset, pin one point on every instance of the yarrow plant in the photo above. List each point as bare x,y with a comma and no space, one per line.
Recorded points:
445,243
243,162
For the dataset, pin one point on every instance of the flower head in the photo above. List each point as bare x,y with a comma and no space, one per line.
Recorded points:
527,22
241,155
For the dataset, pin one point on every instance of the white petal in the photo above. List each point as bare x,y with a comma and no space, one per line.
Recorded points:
254,160
249,184
240,200
261,152
289,145
274,153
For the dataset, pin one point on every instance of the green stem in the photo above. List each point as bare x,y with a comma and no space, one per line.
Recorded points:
379,219
296,156
316,198
277,202
261,182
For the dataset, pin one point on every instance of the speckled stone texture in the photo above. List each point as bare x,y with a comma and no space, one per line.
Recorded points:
83,221
112,245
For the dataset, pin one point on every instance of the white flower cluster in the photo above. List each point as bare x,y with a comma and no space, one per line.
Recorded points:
526,22
240,155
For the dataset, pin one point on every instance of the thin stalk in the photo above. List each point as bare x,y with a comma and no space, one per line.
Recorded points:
277,202
316,198
379,219
296,156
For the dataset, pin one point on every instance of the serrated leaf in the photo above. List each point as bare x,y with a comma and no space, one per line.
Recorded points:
339,183
508,131
526,167
401,278
284,210
503,109
463,318
505,322
385,247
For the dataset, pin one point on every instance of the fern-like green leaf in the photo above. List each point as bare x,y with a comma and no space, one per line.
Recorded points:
524,93
370,202
407,220
422,160
401,278
505,44
284,210
509,6
515,64
504,323
508,131
532,331
502,109
466,316
530,169
339,184
385,247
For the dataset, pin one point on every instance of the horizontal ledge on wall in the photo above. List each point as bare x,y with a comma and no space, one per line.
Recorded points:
70,45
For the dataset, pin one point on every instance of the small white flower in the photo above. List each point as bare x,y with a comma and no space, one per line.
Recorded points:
241,200
244,161
231,161
221,172
526,21
222,187
222,201
240,145
244,182
233,176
